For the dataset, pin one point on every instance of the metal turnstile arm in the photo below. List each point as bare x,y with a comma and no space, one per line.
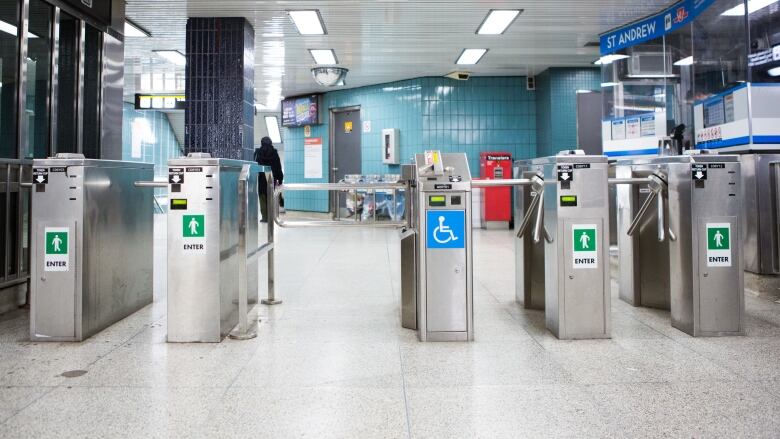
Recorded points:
657,186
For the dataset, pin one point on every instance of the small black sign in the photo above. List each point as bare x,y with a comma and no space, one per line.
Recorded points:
582,166
175,175
40,175
699,172
565,173
58,169
194,169
442,186
717,166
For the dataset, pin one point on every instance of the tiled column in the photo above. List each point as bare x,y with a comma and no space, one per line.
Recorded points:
220,87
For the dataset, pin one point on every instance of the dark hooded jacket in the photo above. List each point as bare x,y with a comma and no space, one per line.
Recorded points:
267,155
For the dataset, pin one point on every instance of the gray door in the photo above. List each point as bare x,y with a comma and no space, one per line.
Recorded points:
589,122
345,148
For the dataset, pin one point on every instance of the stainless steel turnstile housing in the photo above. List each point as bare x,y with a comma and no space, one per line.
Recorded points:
529,255
203,240
92,238
576,219
696,270
445,306
761,201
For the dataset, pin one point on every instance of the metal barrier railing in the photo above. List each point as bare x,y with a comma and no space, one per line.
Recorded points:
339,188
15,176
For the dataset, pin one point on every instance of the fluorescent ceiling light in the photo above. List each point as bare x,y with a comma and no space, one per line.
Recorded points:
11,29
497,21
684,62
133,30
308,22
774,72
323,56
272,125
470,56
609,59
172,56
753,6
609,84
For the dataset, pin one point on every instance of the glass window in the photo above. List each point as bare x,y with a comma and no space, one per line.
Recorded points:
93,43
719,49
9,54
67,84
764,55
38,79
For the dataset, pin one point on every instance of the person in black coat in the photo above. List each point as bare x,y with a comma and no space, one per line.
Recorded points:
267,155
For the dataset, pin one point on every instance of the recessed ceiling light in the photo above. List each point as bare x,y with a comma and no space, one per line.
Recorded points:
753,6
609,59
172,56
774,72
308,22
272,126
134,30
684,62
324,56
470,56
497,21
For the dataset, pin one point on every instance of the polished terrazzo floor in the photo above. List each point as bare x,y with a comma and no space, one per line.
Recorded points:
333,361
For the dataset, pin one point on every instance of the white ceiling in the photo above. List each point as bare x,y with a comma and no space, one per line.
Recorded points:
385,40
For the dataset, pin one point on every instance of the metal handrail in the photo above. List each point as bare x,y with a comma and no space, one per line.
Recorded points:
243,331
502,183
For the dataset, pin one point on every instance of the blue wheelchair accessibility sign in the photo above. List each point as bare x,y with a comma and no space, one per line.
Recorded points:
446,229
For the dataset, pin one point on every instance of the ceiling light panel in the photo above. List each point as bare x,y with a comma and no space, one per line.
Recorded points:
308,22
133,30
609,59
497,21
272,126
324,56
470,56
684,62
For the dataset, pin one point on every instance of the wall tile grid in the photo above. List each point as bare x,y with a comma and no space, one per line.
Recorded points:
556,106
147,136
220,87
482,114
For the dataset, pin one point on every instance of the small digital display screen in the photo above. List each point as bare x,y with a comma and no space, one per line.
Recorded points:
437,200
178,204
568,200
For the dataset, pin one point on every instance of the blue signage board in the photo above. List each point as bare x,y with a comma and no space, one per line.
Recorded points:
446,229
654,26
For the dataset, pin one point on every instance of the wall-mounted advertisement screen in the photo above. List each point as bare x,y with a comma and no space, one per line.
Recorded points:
301,110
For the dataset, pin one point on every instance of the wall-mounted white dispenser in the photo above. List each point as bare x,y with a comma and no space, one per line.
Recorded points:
390,153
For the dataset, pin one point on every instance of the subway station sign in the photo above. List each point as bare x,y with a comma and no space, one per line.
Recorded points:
653,27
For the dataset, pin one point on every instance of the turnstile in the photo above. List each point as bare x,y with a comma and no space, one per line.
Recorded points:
92,238
690,259
203,246
445,306
576,253
761,201
529,253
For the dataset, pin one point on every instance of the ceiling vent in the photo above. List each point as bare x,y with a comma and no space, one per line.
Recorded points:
329,76
460,76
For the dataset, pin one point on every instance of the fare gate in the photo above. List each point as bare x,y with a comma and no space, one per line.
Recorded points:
685,255
92,241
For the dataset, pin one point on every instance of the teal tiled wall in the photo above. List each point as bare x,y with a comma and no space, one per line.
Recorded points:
481,114
556,106
154,136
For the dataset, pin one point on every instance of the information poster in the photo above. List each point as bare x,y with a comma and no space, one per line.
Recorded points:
312,157
728,108
648,125
618,129
633,129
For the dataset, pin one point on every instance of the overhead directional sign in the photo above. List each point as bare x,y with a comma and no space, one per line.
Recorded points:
565,173
699,171
175,175
40,175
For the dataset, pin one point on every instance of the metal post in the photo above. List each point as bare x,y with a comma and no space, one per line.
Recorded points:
243,331
273,211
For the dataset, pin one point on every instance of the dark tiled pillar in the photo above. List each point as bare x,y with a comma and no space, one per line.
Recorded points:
219,78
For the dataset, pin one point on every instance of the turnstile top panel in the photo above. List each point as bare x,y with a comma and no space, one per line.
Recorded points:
92,163
456,175
212,161
573,158
679,159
